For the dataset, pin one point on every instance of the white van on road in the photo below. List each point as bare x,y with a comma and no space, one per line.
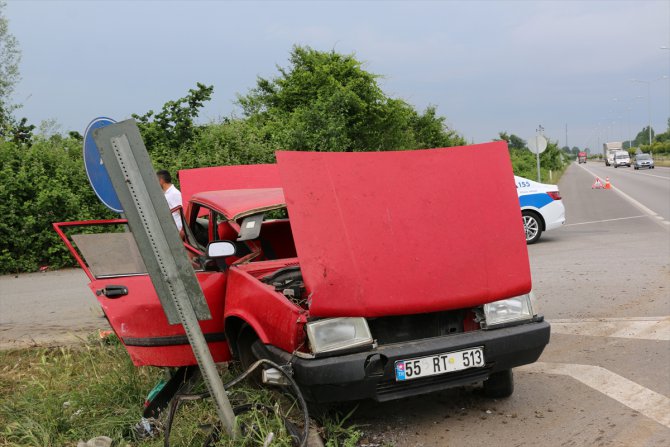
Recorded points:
621,158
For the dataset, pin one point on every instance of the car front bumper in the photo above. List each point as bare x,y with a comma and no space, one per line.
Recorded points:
371,374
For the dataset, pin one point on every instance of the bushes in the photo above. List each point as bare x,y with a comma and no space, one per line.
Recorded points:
46,183
39,185
524,163
324,101
657,147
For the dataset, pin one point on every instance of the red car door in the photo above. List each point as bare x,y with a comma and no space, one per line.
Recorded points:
124,290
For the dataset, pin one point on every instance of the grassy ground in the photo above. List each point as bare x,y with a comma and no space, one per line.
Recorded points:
58,396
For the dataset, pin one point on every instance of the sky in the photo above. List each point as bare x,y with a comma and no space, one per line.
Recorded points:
488,66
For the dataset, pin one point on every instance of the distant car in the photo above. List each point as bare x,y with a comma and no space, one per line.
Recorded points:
643,161
541,207
621,158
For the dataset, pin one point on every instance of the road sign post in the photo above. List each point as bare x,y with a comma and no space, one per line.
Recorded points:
134,181
538,144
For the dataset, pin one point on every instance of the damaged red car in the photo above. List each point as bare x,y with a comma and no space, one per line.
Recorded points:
368,275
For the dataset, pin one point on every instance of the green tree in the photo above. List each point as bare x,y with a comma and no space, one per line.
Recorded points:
173,128
642,136
326,101
513,141
665,136
10,56
41,184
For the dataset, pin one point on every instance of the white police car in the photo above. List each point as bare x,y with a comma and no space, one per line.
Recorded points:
541,207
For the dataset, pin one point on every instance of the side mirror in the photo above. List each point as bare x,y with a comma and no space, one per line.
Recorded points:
220,249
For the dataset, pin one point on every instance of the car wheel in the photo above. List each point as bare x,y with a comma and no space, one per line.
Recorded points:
499,385
532,226
636,168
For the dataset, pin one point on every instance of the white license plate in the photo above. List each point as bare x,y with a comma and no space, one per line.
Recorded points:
439,364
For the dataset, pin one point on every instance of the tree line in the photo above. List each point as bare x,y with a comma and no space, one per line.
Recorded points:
321,100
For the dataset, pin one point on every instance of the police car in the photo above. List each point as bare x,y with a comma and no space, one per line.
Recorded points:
541,207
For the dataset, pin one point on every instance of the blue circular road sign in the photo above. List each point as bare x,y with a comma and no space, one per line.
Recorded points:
95,169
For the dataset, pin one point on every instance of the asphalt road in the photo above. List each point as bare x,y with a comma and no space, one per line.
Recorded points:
649,187
603,281
49,308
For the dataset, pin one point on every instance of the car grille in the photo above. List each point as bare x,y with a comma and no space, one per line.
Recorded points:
403,328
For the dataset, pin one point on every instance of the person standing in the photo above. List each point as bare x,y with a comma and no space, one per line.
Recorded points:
172,195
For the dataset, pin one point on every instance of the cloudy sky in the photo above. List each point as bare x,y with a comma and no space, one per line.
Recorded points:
488,66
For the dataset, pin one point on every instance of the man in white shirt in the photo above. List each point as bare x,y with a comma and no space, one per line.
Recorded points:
172,195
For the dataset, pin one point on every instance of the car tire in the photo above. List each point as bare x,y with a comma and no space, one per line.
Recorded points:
532,226
499,385
636,168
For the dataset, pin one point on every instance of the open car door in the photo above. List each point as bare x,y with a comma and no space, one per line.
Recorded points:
108,254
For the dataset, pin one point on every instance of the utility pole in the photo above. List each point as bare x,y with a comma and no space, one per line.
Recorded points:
566,136
539,130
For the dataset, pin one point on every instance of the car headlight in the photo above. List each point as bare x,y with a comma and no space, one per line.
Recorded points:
510,310
335,334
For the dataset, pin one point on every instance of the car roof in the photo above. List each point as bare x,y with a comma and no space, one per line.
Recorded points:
234,203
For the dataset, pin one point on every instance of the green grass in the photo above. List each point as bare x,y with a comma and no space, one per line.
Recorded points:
58,396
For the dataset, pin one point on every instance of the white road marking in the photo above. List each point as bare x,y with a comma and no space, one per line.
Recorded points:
628,172
640,206
652,175
654,328
606,220
653,405
642,173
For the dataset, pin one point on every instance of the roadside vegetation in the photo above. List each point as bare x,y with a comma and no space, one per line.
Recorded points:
321,100
58,396
553,160
660,143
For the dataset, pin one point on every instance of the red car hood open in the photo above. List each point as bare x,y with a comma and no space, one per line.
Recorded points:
390,233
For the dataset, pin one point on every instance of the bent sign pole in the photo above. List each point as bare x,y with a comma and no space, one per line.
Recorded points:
132,175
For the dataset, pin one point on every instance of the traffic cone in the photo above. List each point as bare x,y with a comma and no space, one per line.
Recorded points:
598,184
607,183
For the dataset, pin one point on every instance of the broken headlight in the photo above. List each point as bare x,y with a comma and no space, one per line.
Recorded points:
510,310
336,334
